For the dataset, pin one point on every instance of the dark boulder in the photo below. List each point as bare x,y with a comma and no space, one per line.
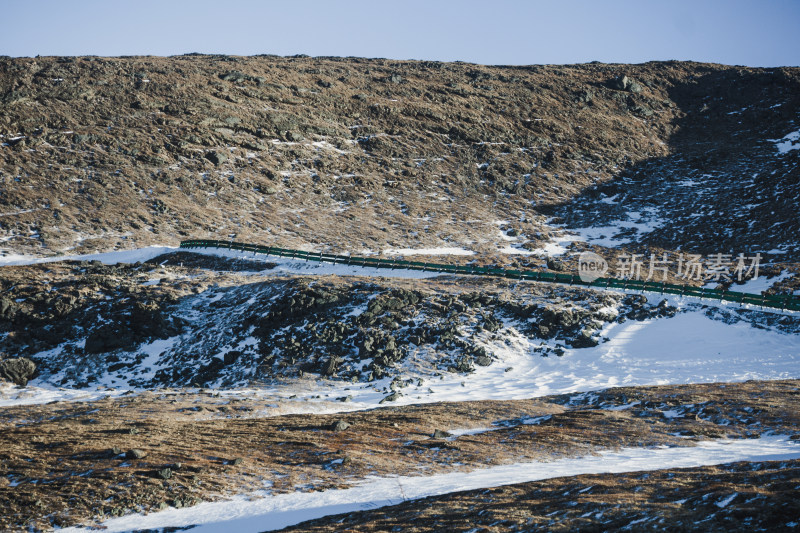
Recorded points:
217,157
231,357
584,340
483,360
18,370
109,337
464,364
329,366
135,454
339,425
209,372
391,397
624,83
555,264
8,308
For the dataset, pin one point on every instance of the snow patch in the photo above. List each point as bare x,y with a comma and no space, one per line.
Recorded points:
261,511
473,431
11,395
284,265
761,283
107,258
789,142
512,250
428,251
617,233
687,348
724,503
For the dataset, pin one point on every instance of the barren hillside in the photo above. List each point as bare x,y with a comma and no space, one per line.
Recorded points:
144,387
356,154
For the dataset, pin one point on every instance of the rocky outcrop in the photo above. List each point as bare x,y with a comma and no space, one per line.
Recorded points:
132,326
344,330
624,83
18,370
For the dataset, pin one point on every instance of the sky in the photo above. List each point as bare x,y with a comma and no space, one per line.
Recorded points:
508,32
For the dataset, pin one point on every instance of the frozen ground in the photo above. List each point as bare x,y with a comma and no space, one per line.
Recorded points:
283,265
789,142
262,511
10,394
688,348
108,258
616,233
427,251
761,283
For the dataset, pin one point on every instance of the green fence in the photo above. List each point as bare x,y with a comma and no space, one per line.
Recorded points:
781,301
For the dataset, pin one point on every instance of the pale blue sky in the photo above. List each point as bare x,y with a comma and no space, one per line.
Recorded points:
513,32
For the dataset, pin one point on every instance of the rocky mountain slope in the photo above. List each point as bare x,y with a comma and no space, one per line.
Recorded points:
355,154
320,376
181,320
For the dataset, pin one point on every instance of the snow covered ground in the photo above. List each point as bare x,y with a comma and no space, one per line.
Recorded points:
263,511
688,348
428,251
617,233
761,283
284,265
108,258
789,142
515,250
11,395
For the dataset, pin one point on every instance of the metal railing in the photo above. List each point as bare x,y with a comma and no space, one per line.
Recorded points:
776,301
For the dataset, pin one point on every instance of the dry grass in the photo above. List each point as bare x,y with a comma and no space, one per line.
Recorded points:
58,456
662,500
